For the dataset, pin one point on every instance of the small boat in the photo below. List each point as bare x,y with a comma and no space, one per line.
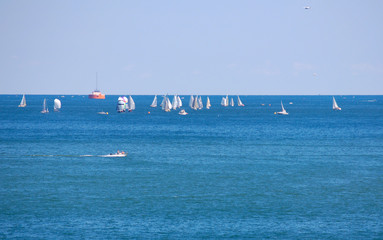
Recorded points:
240,104
183,112
23,102
45,107
103,113
118,154
334,105
225,101
154,103
57,105
231,102
208,105
283,112
131,105
121,105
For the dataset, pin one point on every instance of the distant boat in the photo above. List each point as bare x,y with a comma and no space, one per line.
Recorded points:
166,104
334,105
191,101
208,105
45,107
57,105
103,113
232,102
183,112
225,101
195,104
283,112
154,103
131,104
175,102
121,105
96,94
23,102
240,104
179,101
200,104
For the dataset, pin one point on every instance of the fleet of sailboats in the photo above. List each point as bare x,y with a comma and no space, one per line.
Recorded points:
335,105
23,102
195,103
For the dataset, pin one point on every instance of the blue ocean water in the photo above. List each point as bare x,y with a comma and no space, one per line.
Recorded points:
234,172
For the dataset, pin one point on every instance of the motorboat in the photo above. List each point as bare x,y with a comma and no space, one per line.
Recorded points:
183,112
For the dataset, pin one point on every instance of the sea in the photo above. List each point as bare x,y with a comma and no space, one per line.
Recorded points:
223,173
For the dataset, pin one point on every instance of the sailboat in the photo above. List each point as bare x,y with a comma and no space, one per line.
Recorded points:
195,104
232,102
23,102
45,107
131,104
179,102
191,101
57,105
240,104
200,104
225,101
335,106
154,103
208,105
121,105
175,102
283,112
168,105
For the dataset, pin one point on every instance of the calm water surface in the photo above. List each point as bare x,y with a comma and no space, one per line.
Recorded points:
221,173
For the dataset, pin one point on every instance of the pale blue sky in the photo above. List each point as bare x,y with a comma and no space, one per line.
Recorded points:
191,47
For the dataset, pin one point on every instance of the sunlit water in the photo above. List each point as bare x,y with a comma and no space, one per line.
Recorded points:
221,173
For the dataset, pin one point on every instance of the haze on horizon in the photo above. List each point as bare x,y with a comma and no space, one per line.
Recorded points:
192,47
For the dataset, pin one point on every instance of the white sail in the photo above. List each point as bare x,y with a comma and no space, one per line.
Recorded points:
57,105
240,104
131,103
175,102
227,101
154,103
23,102
208,105
200,104
45,107
283,112
168,105
179,101
121,105
191,101
232,102
163,102
335,105
195,103
223,101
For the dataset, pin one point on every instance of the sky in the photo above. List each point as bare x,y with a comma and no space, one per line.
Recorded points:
214,47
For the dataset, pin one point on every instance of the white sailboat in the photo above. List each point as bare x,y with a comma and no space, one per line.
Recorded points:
168,105
200,104
191,101
195,104
56,105
121,105
225,101
45,107
179,101
283,112
131,104
232,102
335,106
154,103
175,102
240,104
208,105
23,102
